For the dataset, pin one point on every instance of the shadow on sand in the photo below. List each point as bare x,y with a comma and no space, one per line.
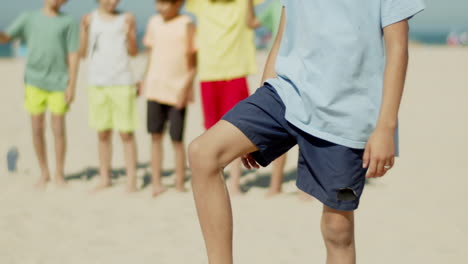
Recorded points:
259,181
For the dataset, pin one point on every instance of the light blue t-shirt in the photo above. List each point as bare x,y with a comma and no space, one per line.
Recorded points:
331,65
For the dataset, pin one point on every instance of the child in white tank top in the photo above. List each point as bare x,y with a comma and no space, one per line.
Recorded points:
108,40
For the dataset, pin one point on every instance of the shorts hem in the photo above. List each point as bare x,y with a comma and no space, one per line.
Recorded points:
102,129
251,136
35,112
340,206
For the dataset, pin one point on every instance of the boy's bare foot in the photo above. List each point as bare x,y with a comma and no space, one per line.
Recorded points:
234,189
181,189
159,190
132,188
273,193
60,181
101,186
41,184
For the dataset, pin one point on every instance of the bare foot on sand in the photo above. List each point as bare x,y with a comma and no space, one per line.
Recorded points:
41,184
101,186
181,189
234,189
158,190
273,193
60,182
131,188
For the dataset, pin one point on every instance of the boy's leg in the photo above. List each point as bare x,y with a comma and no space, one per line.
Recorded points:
276,182
156,163
105,157
58,128
177,120
130,151
157,115
180,167
208,155
338,234
38,129
235,173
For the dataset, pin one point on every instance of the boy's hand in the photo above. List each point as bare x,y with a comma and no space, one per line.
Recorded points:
69,95
182,101
249,162
379,155
139,88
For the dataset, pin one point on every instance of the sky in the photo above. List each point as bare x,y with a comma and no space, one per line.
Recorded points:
440,15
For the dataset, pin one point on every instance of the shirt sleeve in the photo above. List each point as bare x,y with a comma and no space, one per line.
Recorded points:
394,11
148,38
18,28
73,37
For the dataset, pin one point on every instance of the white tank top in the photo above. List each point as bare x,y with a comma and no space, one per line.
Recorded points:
109,62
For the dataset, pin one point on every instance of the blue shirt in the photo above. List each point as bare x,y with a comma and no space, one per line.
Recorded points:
331,65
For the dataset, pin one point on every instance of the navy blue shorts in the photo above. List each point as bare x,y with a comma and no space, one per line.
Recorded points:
331,173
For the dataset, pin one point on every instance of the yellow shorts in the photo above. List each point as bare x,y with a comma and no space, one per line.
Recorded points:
37,101
112,107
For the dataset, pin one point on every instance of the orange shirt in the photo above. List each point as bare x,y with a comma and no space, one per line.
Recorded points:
168,72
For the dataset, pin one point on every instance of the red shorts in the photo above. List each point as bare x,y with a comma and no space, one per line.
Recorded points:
220,96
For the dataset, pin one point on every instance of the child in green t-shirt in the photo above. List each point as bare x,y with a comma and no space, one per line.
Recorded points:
50,76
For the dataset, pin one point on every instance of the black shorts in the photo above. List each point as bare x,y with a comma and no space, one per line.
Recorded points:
159,114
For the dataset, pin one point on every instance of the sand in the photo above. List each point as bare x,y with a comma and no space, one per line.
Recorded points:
416,214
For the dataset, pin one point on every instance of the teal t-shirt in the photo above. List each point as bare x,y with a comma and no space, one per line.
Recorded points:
49,40
331,65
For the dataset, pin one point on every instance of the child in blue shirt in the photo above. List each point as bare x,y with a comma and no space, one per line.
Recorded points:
334,82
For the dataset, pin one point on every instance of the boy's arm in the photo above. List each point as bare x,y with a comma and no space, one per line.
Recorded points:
84,35
148,39
192,65
270,71
15,30
73,59
380,150
73,64
140,84
132,45
252,21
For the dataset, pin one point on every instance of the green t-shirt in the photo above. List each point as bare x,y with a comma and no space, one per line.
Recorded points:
49,40
270,17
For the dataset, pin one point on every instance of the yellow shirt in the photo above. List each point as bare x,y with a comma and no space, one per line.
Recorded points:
226,48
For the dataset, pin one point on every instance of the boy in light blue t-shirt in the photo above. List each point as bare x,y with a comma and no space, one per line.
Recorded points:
333,85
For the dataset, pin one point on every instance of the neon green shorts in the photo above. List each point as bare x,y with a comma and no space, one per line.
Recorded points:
37,100
112,107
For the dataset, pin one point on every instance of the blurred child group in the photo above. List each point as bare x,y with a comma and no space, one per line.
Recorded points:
219,47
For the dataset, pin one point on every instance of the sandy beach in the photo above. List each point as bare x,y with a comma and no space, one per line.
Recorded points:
416,214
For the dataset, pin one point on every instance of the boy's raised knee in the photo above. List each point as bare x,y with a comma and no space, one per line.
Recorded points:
202,156
195,152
